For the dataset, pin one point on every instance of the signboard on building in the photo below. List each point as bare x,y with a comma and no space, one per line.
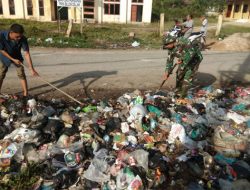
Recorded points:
69,3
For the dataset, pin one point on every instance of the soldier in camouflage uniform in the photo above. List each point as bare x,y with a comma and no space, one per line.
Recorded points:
188,60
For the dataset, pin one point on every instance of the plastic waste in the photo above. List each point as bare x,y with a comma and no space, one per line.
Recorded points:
135,44
23,134
236,117
97,171
241,184
72,159
124,127
48,111
225,184
141,157
9,151
89,108
219,158
198,132
138,100
155,110
136,112
139,141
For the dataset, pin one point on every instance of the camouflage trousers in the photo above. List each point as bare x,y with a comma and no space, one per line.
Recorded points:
184,77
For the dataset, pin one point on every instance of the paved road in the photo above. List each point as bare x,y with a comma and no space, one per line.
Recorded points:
73,69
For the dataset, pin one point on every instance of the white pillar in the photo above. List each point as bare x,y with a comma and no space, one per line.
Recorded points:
129,11
100,10
123,11
147,11
23,7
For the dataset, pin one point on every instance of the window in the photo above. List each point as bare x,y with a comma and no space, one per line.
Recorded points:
29,7
1,7
237,8
137,1
245,8
89,8
112,7
12,7
41,8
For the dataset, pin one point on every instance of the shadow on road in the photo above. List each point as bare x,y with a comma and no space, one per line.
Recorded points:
236,75
96,75
203,79
208,46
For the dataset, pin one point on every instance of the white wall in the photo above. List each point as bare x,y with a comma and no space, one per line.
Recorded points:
129,11
147,11
111,18
18,9
21,11
99,11
75,14
123,10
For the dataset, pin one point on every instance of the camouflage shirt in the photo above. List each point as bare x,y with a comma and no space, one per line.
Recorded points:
172,53
185,52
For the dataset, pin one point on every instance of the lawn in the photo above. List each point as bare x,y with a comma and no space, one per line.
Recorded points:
103,36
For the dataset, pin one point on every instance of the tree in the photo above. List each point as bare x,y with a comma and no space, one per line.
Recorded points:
180,8
171,8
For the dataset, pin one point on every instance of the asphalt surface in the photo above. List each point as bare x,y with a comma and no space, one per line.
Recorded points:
79,71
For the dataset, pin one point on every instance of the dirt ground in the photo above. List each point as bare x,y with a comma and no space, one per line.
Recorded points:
93,94
235,42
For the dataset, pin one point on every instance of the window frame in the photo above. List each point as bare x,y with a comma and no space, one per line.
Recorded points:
245,8
1,7
41,8
137,1
112,1
12,9
111,7
29,4
237,8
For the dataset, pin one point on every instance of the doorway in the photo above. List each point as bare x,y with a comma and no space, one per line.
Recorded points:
229,10
136,13
63,12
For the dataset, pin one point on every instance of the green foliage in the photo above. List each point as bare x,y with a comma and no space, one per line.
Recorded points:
176,9
172,9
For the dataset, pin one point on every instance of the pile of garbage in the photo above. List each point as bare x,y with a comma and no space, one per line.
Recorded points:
141,140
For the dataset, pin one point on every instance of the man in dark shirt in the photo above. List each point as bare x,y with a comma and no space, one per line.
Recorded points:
11,43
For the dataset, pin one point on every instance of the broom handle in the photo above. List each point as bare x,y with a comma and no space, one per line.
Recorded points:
53,86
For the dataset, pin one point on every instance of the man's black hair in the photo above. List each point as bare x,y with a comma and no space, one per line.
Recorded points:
17,28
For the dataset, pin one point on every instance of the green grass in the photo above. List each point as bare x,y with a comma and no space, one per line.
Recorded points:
228,30
101,35
231,29
93,36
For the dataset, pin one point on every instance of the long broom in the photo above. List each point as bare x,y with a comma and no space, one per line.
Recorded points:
53,86
169,73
